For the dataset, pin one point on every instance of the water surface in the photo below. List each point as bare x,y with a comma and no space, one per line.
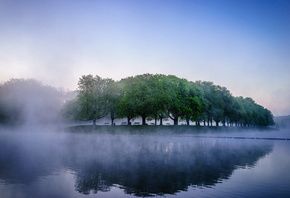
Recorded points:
58,164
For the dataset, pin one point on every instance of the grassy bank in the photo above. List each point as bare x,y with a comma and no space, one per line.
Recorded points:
139,129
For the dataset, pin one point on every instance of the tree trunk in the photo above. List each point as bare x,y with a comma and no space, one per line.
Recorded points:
187,121
128,119
161,120
112,118
94,121
175,121
217,123
143,120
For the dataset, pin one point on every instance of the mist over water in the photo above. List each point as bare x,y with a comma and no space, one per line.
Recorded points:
49,163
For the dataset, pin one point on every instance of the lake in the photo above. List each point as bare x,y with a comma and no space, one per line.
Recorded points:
225,164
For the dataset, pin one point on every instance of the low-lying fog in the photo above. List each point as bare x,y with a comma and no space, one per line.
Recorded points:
141,165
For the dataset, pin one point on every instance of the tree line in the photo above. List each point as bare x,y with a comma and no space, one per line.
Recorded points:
158,97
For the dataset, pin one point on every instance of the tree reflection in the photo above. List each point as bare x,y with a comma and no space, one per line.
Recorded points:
158,166
92,182
141,165
25,157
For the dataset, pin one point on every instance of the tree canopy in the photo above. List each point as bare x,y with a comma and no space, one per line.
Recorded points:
150,97
159,96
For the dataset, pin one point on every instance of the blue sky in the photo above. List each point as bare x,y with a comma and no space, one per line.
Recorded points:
240,44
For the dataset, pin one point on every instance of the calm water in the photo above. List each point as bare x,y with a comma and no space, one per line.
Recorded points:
59,165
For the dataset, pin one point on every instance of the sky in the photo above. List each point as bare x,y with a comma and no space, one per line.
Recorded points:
243,45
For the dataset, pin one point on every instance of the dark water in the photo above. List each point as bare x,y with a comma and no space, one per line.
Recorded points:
59,165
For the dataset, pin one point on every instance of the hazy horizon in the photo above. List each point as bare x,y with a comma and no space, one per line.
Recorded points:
241,45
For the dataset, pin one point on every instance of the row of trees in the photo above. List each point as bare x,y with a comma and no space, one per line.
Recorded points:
156,97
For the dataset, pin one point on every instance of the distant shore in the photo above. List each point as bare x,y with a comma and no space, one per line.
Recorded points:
157,129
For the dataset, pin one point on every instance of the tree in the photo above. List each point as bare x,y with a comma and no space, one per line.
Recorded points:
269,121
209,100
71,110
126,106
159,98
224,104
91,98
143,93
28,101
251,114
234,111
182,100
193,104
204,103
113,96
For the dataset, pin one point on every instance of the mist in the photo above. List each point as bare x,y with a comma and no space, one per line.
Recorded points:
139,165
43,161
27,102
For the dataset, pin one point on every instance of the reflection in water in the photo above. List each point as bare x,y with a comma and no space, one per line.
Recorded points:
140,165
145,166
24,157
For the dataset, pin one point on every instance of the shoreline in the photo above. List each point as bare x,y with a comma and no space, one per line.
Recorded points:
157,129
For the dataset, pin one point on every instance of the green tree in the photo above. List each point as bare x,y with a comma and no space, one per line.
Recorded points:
209,102
142,96
113,96
226,104
252,114
193,105
203,102
233,112
269,120
159,98
92,97
182,100
126,107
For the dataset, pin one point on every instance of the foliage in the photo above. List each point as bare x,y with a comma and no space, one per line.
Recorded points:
92,99
151,97
159,96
